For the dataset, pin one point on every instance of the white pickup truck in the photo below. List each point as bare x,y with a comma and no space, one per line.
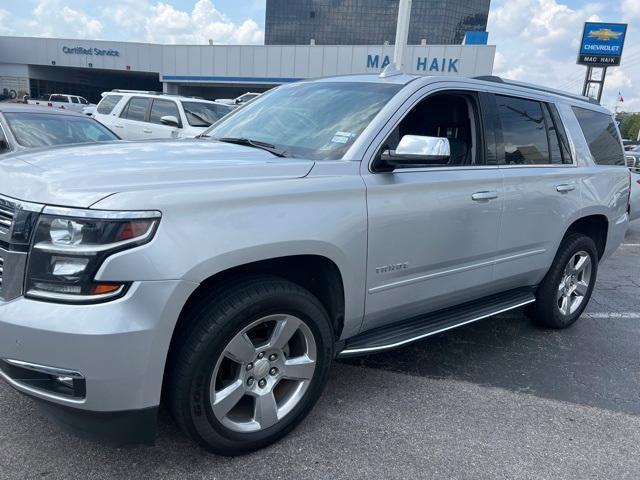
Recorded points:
62,100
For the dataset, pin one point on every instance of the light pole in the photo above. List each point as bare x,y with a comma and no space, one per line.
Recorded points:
402,33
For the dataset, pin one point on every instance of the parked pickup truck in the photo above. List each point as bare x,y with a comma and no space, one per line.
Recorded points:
344,216
62,100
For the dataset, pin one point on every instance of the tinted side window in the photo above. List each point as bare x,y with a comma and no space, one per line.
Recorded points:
107,103
83,100
136,109
561,134
161,108
524,131
74,100
59,98
602,136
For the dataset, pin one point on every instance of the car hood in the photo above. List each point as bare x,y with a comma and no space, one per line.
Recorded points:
81,175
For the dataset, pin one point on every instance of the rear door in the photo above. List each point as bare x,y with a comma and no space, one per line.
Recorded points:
133,119
541,187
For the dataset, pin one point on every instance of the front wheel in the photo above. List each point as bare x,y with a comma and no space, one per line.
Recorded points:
252,366
566,289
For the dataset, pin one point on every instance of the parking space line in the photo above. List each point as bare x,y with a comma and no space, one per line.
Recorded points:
613,315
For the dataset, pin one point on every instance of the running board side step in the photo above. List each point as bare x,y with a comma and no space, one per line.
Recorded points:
412,330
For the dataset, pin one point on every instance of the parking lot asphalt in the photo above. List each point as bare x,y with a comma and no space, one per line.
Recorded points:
496,399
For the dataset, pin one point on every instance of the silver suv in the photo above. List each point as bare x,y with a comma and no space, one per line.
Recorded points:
336,217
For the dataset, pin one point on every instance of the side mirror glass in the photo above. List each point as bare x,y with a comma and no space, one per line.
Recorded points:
416,151
170,120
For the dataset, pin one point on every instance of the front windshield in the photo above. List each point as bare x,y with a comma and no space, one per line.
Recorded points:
200,114
318,120
44,129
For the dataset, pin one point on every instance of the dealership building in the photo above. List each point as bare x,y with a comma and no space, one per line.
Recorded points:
39,66
303,39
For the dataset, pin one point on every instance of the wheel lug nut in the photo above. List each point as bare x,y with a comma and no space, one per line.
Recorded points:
262,383
249,366
250,381
273,371
260,355
272,357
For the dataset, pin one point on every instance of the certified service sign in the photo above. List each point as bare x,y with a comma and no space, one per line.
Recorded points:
602,44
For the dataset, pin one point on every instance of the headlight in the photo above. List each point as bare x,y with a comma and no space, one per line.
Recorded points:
69,247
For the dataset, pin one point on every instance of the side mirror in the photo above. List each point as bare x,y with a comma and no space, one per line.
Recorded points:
170,120
415,151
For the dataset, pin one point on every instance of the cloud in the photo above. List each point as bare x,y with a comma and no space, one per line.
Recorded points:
133,20
163,23
537,42
53,18
631,10
5,23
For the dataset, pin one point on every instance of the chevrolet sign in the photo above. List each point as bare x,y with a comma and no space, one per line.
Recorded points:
602,44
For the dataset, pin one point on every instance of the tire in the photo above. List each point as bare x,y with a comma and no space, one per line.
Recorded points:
266,391
557,304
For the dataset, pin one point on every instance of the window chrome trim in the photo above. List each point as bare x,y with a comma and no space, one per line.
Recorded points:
545,165
102,214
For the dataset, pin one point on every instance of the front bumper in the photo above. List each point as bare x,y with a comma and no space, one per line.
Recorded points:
119,348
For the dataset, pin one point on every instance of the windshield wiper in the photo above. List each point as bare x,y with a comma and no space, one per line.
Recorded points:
256,144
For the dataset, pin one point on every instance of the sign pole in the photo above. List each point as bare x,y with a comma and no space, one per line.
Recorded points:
601,82
585,86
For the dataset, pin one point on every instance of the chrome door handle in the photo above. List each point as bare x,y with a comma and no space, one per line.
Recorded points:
117,125
146,130
486,195
565,187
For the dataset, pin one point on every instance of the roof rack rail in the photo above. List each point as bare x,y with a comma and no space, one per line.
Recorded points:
496,79
148,92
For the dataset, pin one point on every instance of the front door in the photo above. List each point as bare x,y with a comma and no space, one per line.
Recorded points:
433,231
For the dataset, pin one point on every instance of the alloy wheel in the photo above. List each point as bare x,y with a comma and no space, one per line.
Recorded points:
574,283
263,373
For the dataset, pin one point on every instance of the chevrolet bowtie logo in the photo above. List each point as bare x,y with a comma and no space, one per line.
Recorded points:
605,34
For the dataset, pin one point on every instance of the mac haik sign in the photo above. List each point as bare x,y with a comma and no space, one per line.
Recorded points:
602,44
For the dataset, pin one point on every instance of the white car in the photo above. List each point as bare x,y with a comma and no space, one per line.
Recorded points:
241,100
75,103
89,111
635,195
138,115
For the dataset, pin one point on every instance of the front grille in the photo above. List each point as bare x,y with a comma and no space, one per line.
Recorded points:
7,212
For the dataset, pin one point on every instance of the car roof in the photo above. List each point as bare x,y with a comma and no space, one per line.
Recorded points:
159,95
400,78
7,107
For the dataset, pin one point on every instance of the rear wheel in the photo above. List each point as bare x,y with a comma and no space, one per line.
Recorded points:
566,289
252,366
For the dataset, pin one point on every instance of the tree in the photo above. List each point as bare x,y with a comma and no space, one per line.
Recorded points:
629,125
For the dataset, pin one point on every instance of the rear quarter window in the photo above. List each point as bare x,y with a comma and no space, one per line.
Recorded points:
602,136
107,104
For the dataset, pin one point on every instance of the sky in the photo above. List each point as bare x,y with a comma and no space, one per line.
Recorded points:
536,40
